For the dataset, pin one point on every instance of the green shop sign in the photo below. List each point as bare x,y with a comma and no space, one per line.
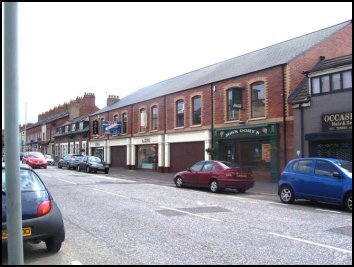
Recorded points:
241,132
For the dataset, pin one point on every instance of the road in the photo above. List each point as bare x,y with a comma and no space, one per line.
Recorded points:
111,220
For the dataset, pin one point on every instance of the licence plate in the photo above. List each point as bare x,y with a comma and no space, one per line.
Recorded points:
241,175
25,232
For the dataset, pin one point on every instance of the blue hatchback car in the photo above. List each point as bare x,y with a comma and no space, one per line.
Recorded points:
319,179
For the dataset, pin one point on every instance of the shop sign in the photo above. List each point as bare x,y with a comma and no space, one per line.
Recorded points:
337,121
244,132
146,140
112,127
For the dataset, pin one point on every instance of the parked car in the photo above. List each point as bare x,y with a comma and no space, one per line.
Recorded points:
49,159
35,160
41,217
21,155
69,161
319,179
215,175
92,164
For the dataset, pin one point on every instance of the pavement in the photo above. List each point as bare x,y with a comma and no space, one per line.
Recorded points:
147,176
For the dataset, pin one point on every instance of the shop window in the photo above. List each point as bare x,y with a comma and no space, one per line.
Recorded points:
180,113
147,157
197,110
258,100
143,120
154,118
234,103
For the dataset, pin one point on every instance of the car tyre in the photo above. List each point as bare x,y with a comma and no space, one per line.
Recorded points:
78,168
179,182
214,186
106,171
286,194
52,245
59,166
88,170
348,202
241,190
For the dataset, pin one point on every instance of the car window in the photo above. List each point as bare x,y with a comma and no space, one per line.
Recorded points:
198,166
324,168
29,181
36,155
344,164
77,157
208,167
303,166
95,159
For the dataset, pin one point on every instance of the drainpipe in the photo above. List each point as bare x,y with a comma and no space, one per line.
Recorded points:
212,90
302,129
284,115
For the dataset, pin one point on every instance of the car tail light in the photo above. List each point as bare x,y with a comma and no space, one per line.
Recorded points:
44,208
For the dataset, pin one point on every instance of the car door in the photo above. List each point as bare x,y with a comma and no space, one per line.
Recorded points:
301,177
205,174
191,176
325,186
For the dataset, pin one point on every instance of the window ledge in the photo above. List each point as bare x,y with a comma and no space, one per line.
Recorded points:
178,128
235,121
196,126
256,119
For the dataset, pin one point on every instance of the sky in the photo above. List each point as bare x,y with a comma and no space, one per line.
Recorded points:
67,49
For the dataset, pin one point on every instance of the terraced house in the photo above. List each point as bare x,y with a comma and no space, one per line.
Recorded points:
235,110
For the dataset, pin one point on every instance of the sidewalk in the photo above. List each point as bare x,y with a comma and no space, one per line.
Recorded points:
147,176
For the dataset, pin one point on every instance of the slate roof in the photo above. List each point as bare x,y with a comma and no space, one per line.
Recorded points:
271,56
50,119
301,93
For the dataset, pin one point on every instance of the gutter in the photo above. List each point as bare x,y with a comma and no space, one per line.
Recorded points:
284,115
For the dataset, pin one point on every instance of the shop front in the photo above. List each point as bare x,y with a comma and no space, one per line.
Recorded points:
254,147
147,156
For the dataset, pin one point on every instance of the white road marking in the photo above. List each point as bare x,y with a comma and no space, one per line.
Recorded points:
333,211
115,179
67,181
75,263
109,193
312,243
192,214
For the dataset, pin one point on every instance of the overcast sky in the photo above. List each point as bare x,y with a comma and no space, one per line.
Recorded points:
67,49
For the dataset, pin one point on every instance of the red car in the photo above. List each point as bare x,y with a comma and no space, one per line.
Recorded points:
215,175
35,160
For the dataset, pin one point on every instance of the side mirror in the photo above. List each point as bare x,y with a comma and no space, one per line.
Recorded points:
337,174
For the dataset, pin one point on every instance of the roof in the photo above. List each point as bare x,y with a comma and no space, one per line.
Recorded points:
50,119
78,119
301,93
268,57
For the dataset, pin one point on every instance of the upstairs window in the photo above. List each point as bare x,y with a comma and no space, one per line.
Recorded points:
73,127
81,125
102,126
116,118
258,100
234,103
143,120
197,110
154,118
180,113
334,82
124,123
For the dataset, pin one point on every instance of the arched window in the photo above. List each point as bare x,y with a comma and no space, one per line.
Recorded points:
143,120
116,118
154,118
197,110
234,103
102,132
258,100
124,123
180,113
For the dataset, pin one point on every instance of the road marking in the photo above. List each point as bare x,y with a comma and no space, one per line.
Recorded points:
115,179
312,243
67,181
109,193
192,214
75,263
333,211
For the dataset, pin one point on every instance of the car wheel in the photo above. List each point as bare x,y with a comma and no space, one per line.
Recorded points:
88,169
241,190
214,186
59,166
78,168
68,166
179,182
287,194
106,171
348,202
52,245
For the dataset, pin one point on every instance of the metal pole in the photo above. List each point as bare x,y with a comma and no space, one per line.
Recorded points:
24,150
12,154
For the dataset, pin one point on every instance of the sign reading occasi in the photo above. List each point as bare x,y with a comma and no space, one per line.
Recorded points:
337,121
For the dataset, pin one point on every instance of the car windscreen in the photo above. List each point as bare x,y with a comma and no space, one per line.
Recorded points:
36,155
77,157
347,165
95,159
29,181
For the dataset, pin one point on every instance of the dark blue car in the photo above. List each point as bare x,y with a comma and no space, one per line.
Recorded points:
319,179
41,217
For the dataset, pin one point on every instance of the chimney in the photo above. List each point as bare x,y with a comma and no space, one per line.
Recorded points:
112,99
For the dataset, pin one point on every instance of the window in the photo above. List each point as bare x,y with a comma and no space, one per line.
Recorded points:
258,100
324,168
67,128
197,110
102,126
208,167
154,118
124,123
303,166
95,127
331,82
180,113
198,166
116,118
73,127
81,125
143,120
234,103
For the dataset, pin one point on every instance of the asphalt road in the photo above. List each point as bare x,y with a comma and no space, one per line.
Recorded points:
111,220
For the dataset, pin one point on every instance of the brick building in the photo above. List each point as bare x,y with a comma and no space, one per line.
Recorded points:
40,135
237,109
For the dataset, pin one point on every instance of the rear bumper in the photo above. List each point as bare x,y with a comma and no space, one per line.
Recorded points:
44,227
236,184
34,165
